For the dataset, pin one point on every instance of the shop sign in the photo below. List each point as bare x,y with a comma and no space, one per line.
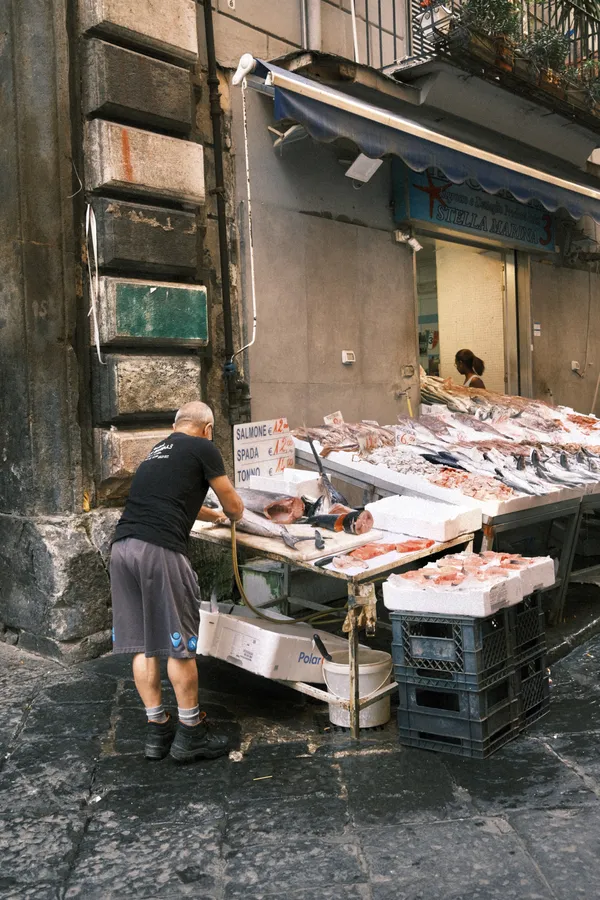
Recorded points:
262,448
430,197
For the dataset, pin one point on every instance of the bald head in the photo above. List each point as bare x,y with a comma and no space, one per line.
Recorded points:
196,419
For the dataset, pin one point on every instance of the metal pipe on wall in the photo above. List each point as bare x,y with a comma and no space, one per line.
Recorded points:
313,17
237,390
304,24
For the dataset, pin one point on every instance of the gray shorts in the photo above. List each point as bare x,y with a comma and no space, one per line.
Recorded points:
155,600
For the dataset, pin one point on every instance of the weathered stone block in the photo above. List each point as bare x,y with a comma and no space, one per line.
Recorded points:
121,83
122,158
144,385
145,238
70,653
100,525
54,583
159,312
167,27
118,454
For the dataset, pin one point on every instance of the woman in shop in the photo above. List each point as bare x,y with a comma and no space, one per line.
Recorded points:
471,367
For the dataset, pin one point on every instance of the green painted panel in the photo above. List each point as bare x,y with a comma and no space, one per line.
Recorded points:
161,313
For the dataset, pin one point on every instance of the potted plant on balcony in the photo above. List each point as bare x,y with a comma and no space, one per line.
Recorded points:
546,52
492,26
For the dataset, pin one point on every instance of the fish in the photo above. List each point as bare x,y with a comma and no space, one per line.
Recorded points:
311,507
355,522
371,551
414,545
347,562
252,523
517,484
329,495
277,507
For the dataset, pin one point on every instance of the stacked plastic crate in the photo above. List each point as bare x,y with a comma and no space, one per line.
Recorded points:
469,685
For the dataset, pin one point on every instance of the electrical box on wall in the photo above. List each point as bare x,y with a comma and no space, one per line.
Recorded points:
348,357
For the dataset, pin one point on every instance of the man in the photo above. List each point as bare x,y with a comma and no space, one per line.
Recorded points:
154,588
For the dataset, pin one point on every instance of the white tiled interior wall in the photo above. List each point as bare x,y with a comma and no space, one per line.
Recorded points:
471,309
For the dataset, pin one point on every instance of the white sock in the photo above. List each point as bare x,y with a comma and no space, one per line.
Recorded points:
189,716
156,714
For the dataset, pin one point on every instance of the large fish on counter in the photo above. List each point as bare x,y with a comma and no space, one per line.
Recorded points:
330,499
278,508
358,521
252,523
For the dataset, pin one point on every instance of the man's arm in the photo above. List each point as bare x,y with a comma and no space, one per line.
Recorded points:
207,514
228,497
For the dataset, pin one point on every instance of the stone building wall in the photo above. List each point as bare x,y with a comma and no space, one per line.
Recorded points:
105,104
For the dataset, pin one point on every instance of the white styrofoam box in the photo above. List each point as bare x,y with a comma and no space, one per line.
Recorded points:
539,574
477,599
292,482
281,651
424,518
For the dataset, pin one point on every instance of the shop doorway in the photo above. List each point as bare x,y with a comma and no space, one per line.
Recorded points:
466,299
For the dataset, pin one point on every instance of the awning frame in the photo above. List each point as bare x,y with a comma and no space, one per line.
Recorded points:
337,99
302,99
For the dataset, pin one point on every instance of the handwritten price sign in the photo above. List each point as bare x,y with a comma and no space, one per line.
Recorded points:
262,448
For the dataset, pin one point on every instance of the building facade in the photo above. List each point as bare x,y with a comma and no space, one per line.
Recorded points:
132,279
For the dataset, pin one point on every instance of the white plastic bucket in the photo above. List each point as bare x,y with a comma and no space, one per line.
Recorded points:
374,670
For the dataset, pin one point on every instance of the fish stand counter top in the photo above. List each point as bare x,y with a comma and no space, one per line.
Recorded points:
322,561
413,479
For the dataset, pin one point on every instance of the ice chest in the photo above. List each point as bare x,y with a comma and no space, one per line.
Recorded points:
424,518
293,482
282,651
478,600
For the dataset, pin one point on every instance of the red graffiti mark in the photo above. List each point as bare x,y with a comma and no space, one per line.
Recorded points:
126,154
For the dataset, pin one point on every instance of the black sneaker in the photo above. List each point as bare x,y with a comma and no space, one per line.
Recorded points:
159,737
198,742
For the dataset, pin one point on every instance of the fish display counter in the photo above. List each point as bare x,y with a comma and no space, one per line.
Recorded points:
524,464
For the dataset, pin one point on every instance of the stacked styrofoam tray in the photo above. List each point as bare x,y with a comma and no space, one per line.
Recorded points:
424,518
468,599
292,482
537,575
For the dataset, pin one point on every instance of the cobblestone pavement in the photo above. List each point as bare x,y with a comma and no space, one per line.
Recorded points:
296,812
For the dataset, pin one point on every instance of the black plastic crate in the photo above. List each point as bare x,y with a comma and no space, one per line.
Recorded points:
533,684
461,651
423,740
528,628
459,713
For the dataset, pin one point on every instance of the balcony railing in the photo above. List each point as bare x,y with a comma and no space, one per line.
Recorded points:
380,31
563,35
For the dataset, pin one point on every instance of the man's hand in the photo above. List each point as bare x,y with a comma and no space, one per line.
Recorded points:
216,516
229,498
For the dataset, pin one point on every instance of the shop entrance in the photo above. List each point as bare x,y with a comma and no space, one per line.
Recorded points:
465,300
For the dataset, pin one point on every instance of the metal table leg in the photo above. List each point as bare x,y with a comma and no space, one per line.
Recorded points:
565,565
488,538
353,615
362,613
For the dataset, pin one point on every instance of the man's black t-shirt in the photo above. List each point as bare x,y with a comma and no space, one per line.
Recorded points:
168,490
